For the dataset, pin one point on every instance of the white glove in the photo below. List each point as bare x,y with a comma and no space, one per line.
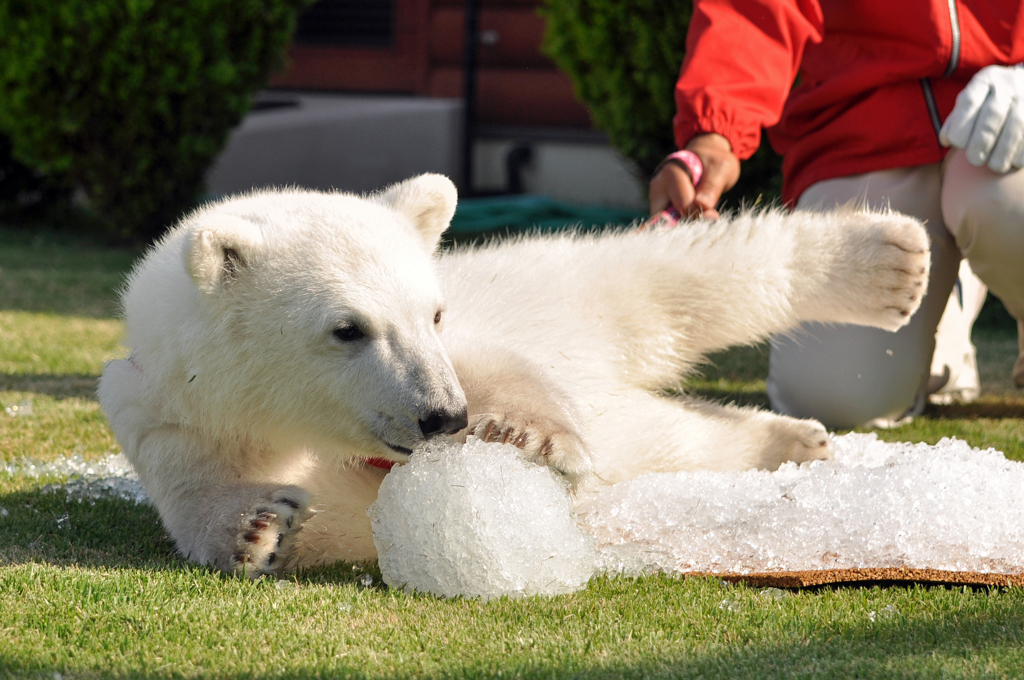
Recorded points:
988,119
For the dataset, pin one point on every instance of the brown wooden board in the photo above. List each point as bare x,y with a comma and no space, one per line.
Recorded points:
904,575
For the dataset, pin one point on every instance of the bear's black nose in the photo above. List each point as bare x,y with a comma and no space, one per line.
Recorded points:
443,422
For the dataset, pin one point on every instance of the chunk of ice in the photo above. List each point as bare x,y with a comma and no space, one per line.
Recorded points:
478,520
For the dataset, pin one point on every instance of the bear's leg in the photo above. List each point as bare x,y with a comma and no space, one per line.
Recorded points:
213,498
214,517
639,433
707,286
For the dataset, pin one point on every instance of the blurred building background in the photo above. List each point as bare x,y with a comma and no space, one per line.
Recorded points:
374,92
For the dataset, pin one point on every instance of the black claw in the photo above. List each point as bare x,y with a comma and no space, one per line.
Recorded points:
252,537
289,523
290,503
270,560
258,524
280,537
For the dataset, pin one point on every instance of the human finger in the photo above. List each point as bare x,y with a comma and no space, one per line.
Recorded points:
1010,142
987,126
671,186
721,170
717,179
957,128
657,195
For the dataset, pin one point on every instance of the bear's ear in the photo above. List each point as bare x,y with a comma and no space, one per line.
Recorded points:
428,200
219,250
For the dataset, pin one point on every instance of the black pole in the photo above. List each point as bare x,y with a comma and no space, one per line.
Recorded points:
469,73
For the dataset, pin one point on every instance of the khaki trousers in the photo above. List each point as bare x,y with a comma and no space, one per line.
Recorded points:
847,376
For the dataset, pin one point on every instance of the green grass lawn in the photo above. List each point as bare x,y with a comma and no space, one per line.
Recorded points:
95,590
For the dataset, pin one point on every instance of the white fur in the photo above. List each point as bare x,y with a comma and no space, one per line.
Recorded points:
247,417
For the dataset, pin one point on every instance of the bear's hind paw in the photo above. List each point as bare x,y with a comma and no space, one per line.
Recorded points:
265,541
796,441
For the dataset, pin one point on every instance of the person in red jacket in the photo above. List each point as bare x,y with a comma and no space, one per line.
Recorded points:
883,93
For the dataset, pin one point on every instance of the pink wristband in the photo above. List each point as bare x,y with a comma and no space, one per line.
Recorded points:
690,161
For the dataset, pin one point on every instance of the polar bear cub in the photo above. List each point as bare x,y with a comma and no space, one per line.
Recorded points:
283,342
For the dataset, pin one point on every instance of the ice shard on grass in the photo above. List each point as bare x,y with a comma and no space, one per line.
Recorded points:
108,477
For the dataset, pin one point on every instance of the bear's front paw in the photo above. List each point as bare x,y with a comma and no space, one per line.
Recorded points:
545,442
797,441
894,271
265,541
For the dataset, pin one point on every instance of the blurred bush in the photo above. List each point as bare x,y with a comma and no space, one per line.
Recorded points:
131,100
623,57
21,187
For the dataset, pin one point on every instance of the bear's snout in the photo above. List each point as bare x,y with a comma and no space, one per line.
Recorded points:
443,422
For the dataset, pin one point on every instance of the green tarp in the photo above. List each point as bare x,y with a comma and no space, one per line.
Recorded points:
524,212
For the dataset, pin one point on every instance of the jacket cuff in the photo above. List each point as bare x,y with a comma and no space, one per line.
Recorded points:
744,142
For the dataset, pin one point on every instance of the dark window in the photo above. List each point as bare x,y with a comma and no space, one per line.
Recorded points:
357,23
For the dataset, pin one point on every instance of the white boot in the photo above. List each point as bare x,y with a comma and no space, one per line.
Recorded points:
954,371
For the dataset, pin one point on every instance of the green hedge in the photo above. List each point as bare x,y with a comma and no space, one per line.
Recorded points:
20,186
623,57
131,100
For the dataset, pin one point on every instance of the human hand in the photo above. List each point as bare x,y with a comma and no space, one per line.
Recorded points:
988,119
671,185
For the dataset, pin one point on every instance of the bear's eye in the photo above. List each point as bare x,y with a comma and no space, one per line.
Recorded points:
437,317
348,333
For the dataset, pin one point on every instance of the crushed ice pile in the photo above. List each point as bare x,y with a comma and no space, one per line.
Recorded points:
478,520
880,505
110,477
483,522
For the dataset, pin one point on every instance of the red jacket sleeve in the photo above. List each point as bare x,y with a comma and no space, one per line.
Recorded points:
742,57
